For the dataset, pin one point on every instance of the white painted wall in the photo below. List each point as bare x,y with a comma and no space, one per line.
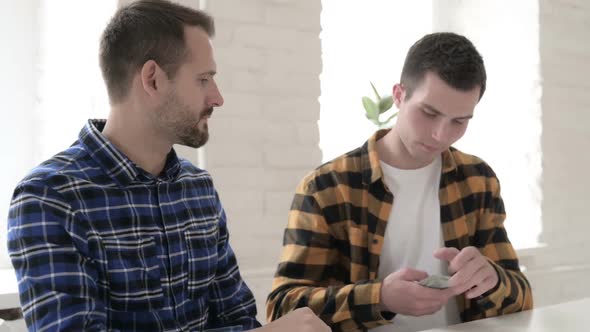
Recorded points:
17,93
563,269
265,138
18,32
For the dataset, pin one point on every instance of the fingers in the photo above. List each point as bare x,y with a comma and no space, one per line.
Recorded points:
474,280
466,274
471,271
476,277
424,301
463,258
401,293
483,287
431,296
446,254
484,280
408,274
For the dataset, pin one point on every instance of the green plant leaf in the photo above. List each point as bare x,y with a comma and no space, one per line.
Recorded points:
375,90
385,104
390,118
371,108
374,121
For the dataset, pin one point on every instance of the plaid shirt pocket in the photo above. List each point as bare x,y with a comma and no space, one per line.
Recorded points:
133,273
202,259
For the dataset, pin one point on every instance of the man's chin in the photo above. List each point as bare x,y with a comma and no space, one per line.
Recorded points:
195,141
423,158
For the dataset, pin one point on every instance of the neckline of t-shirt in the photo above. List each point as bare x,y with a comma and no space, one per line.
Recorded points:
423,171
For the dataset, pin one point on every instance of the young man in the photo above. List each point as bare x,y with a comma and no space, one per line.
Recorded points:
117,233
367,226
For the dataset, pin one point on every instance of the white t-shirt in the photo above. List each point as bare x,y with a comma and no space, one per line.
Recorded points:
412,234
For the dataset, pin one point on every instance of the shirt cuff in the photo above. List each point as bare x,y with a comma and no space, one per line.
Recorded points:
493,298
366,308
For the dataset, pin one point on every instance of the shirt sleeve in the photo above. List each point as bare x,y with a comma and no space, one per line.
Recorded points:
513,291
232,303
312,273
56,282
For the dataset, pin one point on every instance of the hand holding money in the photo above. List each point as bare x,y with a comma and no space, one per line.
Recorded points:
472,273
435,281
402,294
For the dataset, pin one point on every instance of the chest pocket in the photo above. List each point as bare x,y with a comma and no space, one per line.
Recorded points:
202,259
133,273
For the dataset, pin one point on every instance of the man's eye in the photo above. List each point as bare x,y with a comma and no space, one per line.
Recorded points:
428,114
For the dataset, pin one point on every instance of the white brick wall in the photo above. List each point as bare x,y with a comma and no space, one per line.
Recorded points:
565,52
265,137
564,267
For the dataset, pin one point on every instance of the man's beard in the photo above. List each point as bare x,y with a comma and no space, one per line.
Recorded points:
180,122
192,133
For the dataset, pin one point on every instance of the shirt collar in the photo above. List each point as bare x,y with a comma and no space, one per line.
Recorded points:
371,168
116,164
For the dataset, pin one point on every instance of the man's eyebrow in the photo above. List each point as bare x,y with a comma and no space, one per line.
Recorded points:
434,110
209,72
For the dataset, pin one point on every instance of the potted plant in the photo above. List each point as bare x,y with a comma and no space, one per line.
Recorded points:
375,108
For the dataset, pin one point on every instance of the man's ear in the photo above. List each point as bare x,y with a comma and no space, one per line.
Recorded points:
152,77
398,94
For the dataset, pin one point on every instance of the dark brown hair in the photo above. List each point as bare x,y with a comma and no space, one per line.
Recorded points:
146,30
451,56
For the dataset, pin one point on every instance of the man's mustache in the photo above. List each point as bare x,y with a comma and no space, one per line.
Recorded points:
207,112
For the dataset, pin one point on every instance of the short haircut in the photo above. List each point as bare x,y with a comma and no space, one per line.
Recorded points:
146,30
450,56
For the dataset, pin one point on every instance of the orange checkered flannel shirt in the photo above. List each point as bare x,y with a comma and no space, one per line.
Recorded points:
334,238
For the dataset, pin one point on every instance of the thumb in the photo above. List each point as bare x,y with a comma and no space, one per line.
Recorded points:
408,274
446,254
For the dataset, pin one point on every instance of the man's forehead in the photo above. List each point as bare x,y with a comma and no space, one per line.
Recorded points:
199,48
197,39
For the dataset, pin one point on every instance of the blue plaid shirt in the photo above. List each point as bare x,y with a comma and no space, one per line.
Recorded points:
100,244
